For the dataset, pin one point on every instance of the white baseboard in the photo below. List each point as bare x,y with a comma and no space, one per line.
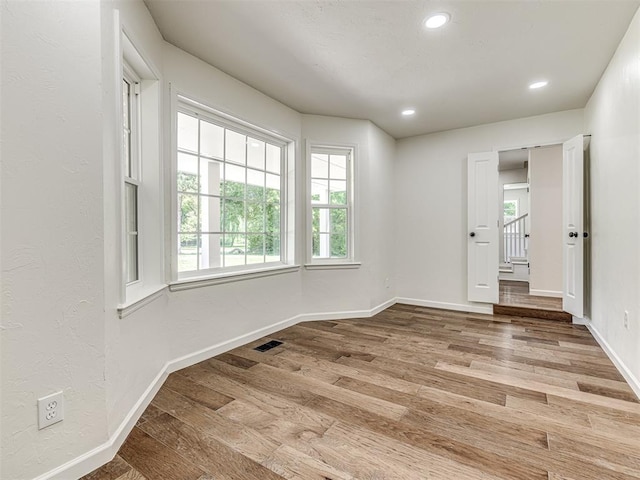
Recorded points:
545,293
219,348
631,379
102,454
458,307
312,317
505,276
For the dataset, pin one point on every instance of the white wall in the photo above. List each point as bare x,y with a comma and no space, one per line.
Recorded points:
59,324
53,331
60,328
140,342
545,244
612,117
363,287
431,201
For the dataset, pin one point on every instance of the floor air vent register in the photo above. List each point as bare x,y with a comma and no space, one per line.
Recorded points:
268,346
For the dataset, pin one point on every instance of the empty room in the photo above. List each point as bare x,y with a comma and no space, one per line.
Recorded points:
318,239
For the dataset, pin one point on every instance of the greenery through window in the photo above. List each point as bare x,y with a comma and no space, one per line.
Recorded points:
510,210
229,196
330,203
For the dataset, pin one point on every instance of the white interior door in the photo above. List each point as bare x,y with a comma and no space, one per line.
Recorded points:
482,231
573,226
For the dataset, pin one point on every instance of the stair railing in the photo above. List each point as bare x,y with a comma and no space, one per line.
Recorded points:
516,240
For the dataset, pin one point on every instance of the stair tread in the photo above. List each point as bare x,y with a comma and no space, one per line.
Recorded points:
533,312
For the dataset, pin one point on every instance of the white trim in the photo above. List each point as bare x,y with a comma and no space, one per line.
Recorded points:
185,105
631,379
579,321
529,146
505,276
352,199
128,308
228,277
458,307
545,293
332,266
102,454
219,348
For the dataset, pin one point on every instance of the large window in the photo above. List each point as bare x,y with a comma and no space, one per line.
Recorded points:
331,204
229,185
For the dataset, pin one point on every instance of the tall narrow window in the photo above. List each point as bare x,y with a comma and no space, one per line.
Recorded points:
331,204
130,161
229,185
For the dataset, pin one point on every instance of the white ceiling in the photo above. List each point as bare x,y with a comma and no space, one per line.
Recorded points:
370,59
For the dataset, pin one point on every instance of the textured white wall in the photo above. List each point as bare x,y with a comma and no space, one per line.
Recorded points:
431,199
57,263
52,232
545,244
612,116
364,287
141,342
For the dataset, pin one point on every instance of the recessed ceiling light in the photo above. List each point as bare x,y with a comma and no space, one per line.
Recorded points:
408,112
436,20
541,84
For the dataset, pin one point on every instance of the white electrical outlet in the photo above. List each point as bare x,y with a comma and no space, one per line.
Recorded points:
50,410
626,319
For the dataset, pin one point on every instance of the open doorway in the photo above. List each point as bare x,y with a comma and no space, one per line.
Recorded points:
513,215
530,224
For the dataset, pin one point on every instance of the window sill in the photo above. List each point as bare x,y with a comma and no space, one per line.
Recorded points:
332,265
197,282
146,297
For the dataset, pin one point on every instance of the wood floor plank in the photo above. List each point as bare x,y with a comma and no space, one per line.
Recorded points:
197,392
293,464
489,366
411,393
276,405
632,407
244,440
155,460
112,470
398,455
206,451
418,437
627,464
133,474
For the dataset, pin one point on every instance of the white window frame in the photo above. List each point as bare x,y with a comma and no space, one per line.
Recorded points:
351,259
195,278
146,174
131,175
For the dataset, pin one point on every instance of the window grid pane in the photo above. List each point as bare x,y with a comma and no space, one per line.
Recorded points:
330,204
131,231
126,124
236,181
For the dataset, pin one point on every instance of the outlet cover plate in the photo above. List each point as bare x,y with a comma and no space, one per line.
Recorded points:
50,410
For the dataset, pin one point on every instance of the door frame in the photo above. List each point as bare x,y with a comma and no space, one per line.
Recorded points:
548,143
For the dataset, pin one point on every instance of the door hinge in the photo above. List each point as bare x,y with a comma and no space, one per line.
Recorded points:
136,88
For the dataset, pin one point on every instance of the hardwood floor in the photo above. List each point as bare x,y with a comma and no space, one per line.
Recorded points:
515,299
412,393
